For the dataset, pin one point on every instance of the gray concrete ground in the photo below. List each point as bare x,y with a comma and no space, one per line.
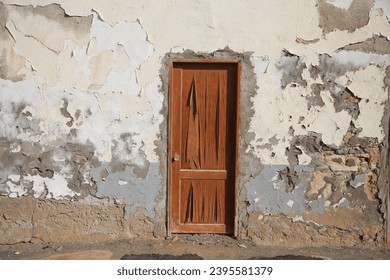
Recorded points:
208,246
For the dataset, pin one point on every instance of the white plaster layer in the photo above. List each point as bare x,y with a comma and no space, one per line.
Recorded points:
384,5
95,77
343,4
109,77
368,85
281,112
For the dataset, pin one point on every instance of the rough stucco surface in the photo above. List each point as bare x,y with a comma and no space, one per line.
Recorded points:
344,17
83,107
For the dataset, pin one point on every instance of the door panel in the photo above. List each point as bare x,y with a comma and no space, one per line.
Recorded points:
203,128
202,201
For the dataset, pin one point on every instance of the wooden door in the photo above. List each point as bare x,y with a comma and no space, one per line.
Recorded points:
203,146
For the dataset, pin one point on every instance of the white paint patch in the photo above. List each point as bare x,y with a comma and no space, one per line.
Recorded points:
56,187
368,85
384,5
156,99
354,60
15,190
177,49
260,64
44,61
122,183
342,4
331,125
272,117
13,186
298,218
112,79
15,148
98,80
14,177
130,35
304,159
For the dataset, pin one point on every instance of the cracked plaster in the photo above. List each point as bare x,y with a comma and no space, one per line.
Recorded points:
99,86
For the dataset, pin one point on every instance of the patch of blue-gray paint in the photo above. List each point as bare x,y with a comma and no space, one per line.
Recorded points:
266,192
138,194
317,205
128,211
304,168
358,181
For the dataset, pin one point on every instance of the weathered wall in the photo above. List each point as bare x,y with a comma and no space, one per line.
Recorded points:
83,107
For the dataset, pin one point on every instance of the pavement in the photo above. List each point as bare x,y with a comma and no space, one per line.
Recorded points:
193,247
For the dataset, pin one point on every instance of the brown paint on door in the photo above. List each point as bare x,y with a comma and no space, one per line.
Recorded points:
203,146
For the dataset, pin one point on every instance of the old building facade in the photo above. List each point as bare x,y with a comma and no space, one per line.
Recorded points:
263,119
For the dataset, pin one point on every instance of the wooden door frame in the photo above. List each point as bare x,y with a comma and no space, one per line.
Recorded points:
238,64
388,202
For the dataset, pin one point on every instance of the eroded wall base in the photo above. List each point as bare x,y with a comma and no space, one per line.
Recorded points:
84,117
277,230
27,219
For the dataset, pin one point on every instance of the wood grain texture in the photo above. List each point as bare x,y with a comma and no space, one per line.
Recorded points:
203,132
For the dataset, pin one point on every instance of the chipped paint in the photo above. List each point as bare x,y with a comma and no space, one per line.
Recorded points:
343,4
84,112
134,192
384,6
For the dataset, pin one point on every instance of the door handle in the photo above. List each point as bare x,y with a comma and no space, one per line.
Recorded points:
176,157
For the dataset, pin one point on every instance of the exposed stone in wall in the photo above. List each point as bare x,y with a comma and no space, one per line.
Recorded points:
340,177
378,44
84,113
315,98
356,16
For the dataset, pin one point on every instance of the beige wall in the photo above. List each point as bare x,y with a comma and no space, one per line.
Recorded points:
83,110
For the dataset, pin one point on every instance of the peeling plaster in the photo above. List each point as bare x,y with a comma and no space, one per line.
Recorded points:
97,102
138,194
260,63
264,193
336,16
290,69
378,44
366,85
29,22
84,109
343,4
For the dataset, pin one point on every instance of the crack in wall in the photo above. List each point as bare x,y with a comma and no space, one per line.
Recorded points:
93,70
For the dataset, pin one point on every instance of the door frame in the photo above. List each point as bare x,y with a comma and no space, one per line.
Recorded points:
238,64
388,202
